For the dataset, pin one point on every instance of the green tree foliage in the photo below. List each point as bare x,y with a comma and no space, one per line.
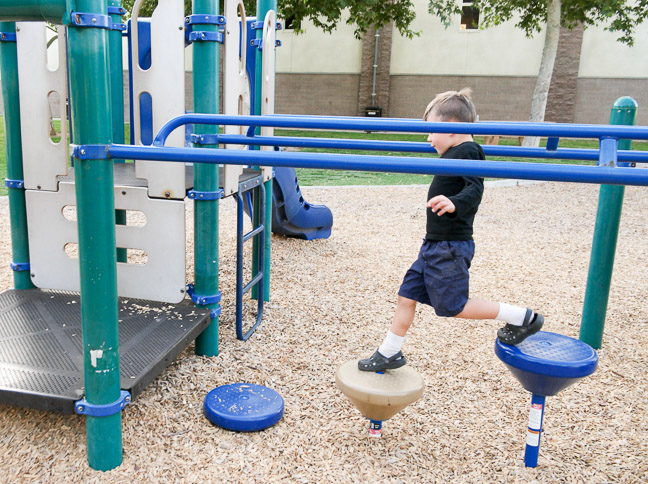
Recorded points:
621,16
363,14
326,14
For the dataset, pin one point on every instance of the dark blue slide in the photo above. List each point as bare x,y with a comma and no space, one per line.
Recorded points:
292,215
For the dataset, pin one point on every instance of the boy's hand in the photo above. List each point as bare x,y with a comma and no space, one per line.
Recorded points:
441,204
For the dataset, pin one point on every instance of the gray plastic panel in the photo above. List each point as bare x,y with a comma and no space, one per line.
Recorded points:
41,363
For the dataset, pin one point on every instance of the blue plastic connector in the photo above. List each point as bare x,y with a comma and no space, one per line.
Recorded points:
197,195
258,25
90,152
203,36
204,139
116,10
198,19
7,36
259,43
14,183
93,20
202,300
20,266
82,407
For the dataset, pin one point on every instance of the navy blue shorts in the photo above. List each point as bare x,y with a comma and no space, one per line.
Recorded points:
439,277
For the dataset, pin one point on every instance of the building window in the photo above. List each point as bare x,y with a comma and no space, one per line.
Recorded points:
469,16
291,23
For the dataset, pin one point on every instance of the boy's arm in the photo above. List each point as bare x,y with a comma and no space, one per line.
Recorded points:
470,197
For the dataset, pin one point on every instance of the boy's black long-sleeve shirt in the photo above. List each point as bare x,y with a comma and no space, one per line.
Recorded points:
464,192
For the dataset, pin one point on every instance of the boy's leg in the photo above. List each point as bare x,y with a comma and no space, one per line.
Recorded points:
403,316
403,319
520,322
480,309
389,354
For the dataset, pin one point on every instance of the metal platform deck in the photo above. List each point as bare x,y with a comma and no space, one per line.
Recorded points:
41,360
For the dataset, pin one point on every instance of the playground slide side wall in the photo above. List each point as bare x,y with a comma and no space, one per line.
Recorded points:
292,215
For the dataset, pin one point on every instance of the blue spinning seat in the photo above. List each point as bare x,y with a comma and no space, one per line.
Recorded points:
545,363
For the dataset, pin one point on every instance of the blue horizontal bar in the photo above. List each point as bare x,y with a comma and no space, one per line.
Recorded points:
252,283
252,233
562,153
328,143
396,164
561,130
421,147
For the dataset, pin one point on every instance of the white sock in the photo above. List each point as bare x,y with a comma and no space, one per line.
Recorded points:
392,345
511,314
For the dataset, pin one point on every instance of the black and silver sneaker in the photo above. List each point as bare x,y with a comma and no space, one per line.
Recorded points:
513,335
378,362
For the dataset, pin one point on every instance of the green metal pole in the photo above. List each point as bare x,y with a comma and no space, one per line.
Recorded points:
17,209
263,7
92,123
116,67
606,232
206,98
55,11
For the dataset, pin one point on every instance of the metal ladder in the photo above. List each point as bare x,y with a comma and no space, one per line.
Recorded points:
245,187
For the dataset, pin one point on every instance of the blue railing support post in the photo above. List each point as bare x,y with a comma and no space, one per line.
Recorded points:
606,232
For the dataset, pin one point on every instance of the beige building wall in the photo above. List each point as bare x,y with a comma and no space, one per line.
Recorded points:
437,51
318,72
603,57
318,52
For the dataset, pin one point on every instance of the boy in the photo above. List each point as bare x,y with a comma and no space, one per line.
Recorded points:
439,277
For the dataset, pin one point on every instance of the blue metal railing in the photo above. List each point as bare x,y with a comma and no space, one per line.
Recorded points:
421,147
397,164
608,157
560,130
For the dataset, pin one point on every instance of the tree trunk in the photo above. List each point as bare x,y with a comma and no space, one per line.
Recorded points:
543,82
376,79
564,80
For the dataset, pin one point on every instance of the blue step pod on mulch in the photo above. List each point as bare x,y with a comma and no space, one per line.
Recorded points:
243,407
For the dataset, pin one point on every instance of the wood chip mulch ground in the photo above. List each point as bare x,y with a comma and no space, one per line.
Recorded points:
331,301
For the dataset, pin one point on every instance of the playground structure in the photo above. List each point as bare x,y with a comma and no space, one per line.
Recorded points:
96,147
148,269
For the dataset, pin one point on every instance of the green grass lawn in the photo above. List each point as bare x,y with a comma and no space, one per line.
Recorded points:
310,177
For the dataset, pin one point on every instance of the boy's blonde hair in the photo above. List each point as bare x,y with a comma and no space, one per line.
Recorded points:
453,106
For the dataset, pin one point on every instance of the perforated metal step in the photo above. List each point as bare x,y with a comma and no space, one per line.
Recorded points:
41,360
